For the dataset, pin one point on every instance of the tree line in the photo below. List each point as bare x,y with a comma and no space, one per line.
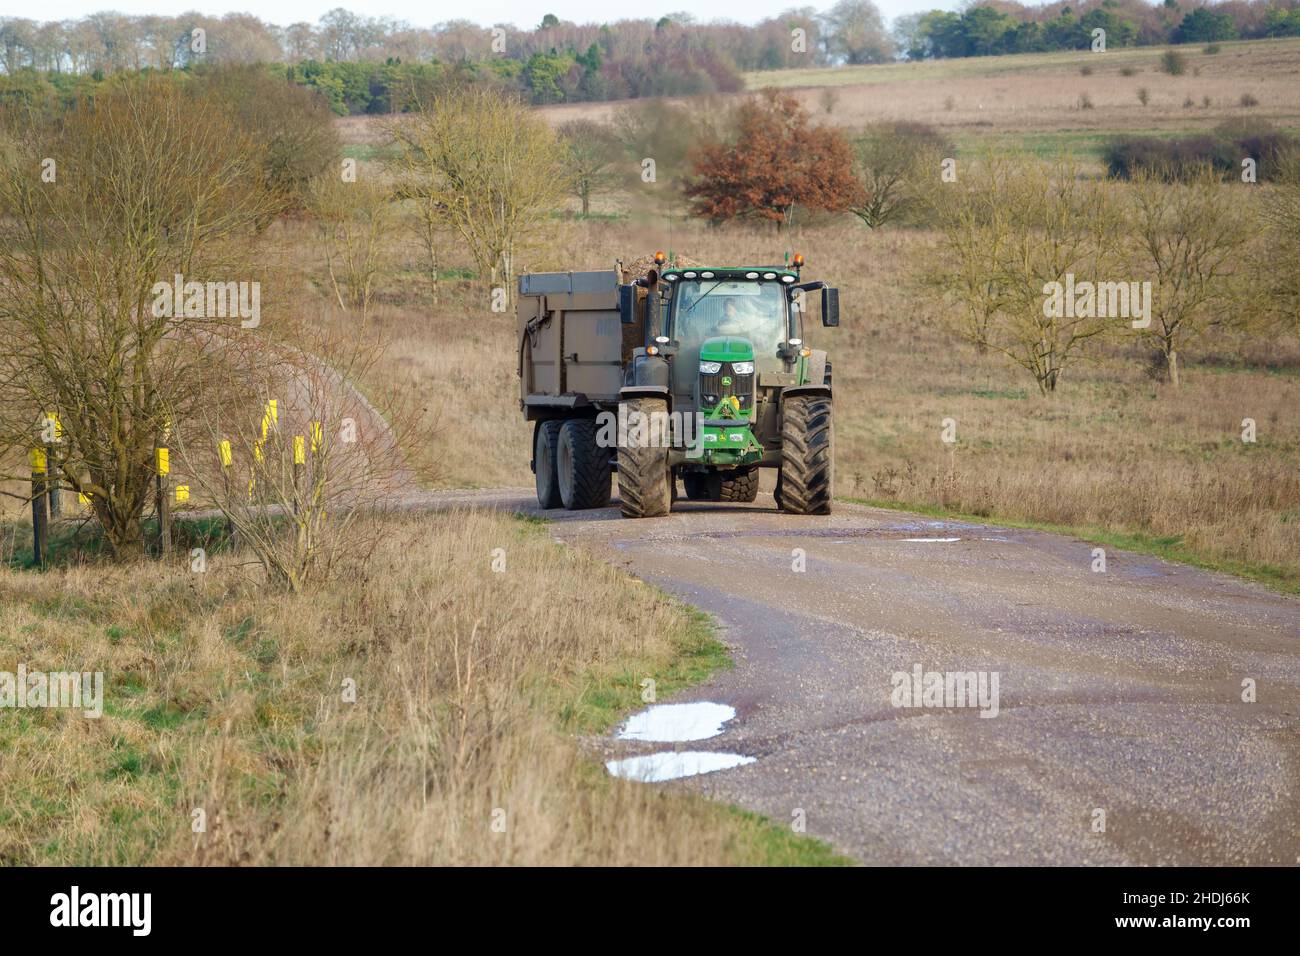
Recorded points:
364,64
1005,26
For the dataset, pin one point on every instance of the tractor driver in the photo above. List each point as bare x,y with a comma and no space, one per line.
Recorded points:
734,321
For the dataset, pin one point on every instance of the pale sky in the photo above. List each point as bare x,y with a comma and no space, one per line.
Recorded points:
521,13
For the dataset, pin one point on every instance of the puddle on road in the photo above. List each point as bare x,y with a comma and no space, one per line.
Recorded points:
930,540
656,768
675,723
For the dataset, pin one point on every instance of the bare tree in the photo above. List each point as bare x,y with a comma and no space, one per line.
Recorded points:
594,153
293,455
1190,241
352,220
490,168
1015,234
894,162
855,32
147,186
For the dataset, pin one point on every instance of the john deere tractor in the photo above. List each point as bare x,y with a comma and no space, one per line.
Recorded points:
714,381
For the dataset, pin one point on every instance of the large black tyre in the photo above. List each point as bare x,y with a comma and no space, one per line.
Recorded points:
544,453
807,455
697,486
645,482
739,485
581,466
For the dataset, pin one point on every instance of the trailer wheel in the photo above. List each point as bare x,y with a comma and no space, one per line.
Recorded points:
738,485
645,481
807,455
582,466
544,455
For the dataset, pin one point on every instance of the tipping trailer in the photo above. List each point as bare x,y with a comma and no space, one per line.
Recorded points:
696,374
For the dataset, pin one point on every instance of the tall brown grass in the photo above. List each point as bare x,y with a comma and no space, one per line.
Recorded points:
221,698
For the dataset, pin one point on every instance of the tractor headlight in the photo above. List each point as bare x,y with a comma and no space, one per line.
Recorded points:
743,368
710,368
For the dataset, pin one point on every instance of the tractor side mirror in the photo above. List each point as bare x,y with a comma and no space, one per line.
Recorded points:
830,307
627,304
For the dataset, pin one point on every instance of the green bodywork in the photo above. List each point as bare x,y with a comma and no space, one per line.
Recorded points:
732,443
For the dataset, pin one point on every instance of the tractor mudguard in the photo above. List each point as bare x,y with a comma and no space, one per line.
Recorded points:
808,389
648,370
629,392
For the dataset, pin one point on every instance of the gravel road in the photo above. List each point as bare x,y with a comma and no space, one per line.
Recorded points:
1118,733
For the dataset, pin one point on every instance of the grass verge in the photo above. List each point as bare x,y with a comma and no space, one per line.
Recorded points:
418,708
1169,547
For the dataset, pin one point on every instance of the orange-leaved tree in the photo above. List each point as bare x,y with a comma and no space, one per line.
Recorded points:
777,160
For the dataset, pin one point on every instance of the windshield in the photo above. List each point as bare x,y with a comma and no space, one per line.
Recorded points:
750,310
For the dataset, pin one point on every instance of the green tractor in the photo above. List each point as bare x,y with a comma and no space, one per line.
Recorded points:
714,382
725,364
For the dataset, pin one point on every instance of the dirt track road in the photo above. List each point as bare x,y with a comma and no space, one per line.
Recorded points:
1118,691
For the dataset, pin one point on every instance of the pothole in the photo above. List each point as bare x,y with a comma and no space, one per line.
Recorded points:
656,768
676,723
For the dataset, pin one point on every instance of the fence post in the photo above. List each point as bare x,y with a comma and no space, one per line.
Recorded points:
164,505
224,450
299,461
40,517
51,437
52,482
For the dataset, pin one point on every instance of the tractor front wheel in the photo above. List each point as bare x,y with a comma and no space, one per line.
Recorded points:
807,455
739,485
645,481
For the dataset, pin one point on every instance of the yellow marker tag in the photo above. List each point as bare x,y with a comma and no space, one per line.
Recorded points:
299,451
224,448
317,436
38,460
257,450
182,492
164,461
252,483
83,497
52,418
270,416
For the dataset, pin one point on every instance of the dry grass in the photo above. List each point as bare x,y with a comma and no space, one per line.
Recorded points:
222,698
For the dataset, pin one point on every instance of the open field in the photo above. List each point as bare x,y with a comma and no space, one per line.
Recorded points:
1033,100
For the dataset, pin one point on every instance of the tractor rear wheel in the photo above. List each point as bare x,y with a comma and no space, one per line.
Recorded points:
581,466
807,455
739,485
544,453
645,481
